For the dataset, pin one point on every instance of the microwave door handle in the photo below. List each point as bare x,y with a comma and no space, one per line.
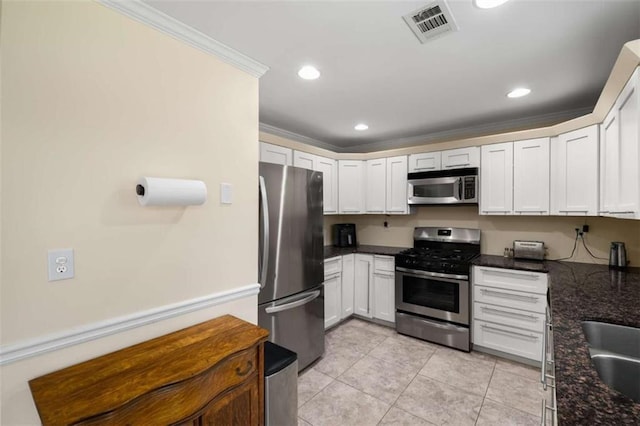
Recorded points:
460,189
265,233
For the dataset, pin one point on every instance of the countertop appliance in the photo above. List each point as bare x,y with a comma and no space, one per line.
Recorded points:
455,186
617,255
432,285
344,235
291,259
532,250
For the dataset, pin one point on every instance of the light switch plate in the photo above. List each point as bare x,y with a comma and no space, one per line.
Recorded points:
60,264
226,193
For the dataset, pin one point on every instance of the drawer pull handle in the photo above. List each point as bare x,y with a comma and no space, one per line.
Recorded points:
241,373
527,336
516,274
512,314
509,295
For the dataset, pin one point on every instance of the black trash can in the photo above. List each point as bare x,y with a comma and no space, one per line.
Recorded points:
280,386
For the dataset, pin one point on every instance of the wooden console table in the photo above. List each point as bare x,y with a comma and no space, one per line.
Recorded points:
210,373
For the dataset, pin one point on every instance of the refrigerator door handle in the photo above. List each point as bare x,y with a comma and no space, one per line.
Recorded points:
265,229
279,308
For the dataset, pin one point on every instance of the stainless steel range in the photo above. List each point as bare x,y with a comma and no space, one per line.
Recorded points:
432,285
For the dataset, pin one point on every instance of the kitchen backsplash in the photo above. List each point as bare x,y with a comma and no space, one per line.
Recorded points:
498,232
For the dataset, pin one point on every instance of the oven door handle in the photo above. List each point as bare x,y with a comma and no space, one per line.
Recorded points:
443,277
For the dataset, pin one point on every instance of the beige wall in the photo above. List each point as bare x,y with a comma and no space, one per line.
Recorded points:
92,100
499,232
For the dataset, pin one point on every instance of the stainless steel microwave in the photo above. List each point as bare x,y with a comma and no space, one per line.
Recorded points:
456,186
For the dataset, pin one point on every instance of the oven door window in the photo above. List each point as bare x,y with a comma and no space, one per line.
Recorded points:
431,293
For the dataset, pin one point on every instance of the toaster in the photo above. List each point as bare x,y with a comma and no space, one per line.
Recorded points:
533,250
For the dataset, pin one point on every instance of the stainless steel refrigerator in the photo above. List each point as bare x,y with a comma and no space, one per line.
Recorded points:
291,261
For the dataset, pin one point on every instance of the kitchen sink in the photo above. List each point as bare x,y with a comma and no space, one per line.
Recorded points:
621,374
615,353
617,339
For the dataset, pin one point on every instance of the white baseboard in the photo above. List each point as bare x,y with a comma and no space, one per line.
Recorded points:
148,15
55,341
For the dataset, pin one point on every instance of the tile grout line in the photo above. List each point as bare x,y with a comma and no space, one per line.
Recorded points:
484,397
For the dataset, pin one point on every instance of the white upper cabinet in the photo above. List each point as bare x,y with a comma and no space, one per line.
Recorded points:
396,202
329,169
351,188
424,162
304,160
496,179
574,173
531,177
462,157
275,154
375,184
620,154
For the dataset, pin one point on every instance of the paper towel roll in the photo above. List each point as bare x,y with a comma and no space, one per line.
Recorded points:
154,191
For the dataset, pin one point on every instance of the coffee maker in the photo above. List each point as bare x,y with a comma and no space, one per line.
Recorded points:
344,235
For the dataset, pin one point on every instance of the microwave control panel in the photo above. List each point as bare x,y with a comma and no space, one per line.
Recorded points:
469,187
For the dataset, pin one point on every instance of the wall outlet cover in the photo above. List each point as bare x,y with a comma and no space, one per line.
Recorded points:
60,264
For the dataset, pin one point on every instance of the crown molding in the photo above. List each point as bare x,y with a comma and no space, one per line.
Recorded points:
471,131
56,341
148,15
277,131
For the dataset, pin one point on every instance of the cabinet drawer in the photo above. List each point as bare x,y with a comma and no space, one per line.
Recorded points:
508,316
510,279
332,266
510,299
527,344
382,264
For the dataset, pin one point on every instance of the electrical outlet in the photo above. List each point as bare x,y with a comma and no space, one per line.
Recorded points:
61,264
585,228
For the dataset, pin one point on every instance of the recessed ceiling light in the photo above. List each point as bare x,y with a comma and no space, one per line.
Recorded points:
519,92
361,127
308,72
488,4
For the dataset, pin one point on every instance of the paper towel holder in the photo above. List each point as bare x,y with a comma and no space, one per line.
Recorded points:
154,191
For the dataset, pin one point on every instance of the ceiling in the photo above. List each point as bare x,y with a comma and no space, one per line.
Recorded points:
374,69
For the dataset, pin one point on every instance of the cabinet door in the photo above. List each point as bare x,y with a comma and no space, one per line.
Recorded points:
609,172
351,186
496,179
329,169
363,279
304,160
348,281
375,184
332,308
384,297
628,112
275,154
531,177
462,157
397,185
240,406
574,173
424,162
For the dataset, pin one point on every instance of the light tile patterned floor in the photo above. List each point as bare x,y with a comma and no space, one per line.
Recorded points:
370,375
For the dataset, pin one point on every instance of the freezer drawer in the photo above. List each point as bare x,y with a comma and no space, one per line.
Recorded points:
297,323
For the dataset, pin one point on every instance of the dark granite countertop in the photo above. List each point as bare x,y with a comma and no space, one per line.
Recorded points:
582,291
331,251
510,263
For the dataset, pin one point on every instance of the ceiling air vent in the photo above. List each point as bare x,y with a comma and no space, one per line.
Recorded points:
431,21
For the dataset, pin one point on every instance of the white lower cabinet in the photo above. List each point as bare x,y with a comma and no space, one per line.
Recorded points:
384,297
332,291
362,284
348,281
509,311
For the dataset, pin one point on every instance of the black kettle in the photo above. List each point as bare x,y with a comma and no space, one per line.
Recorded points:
617,255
